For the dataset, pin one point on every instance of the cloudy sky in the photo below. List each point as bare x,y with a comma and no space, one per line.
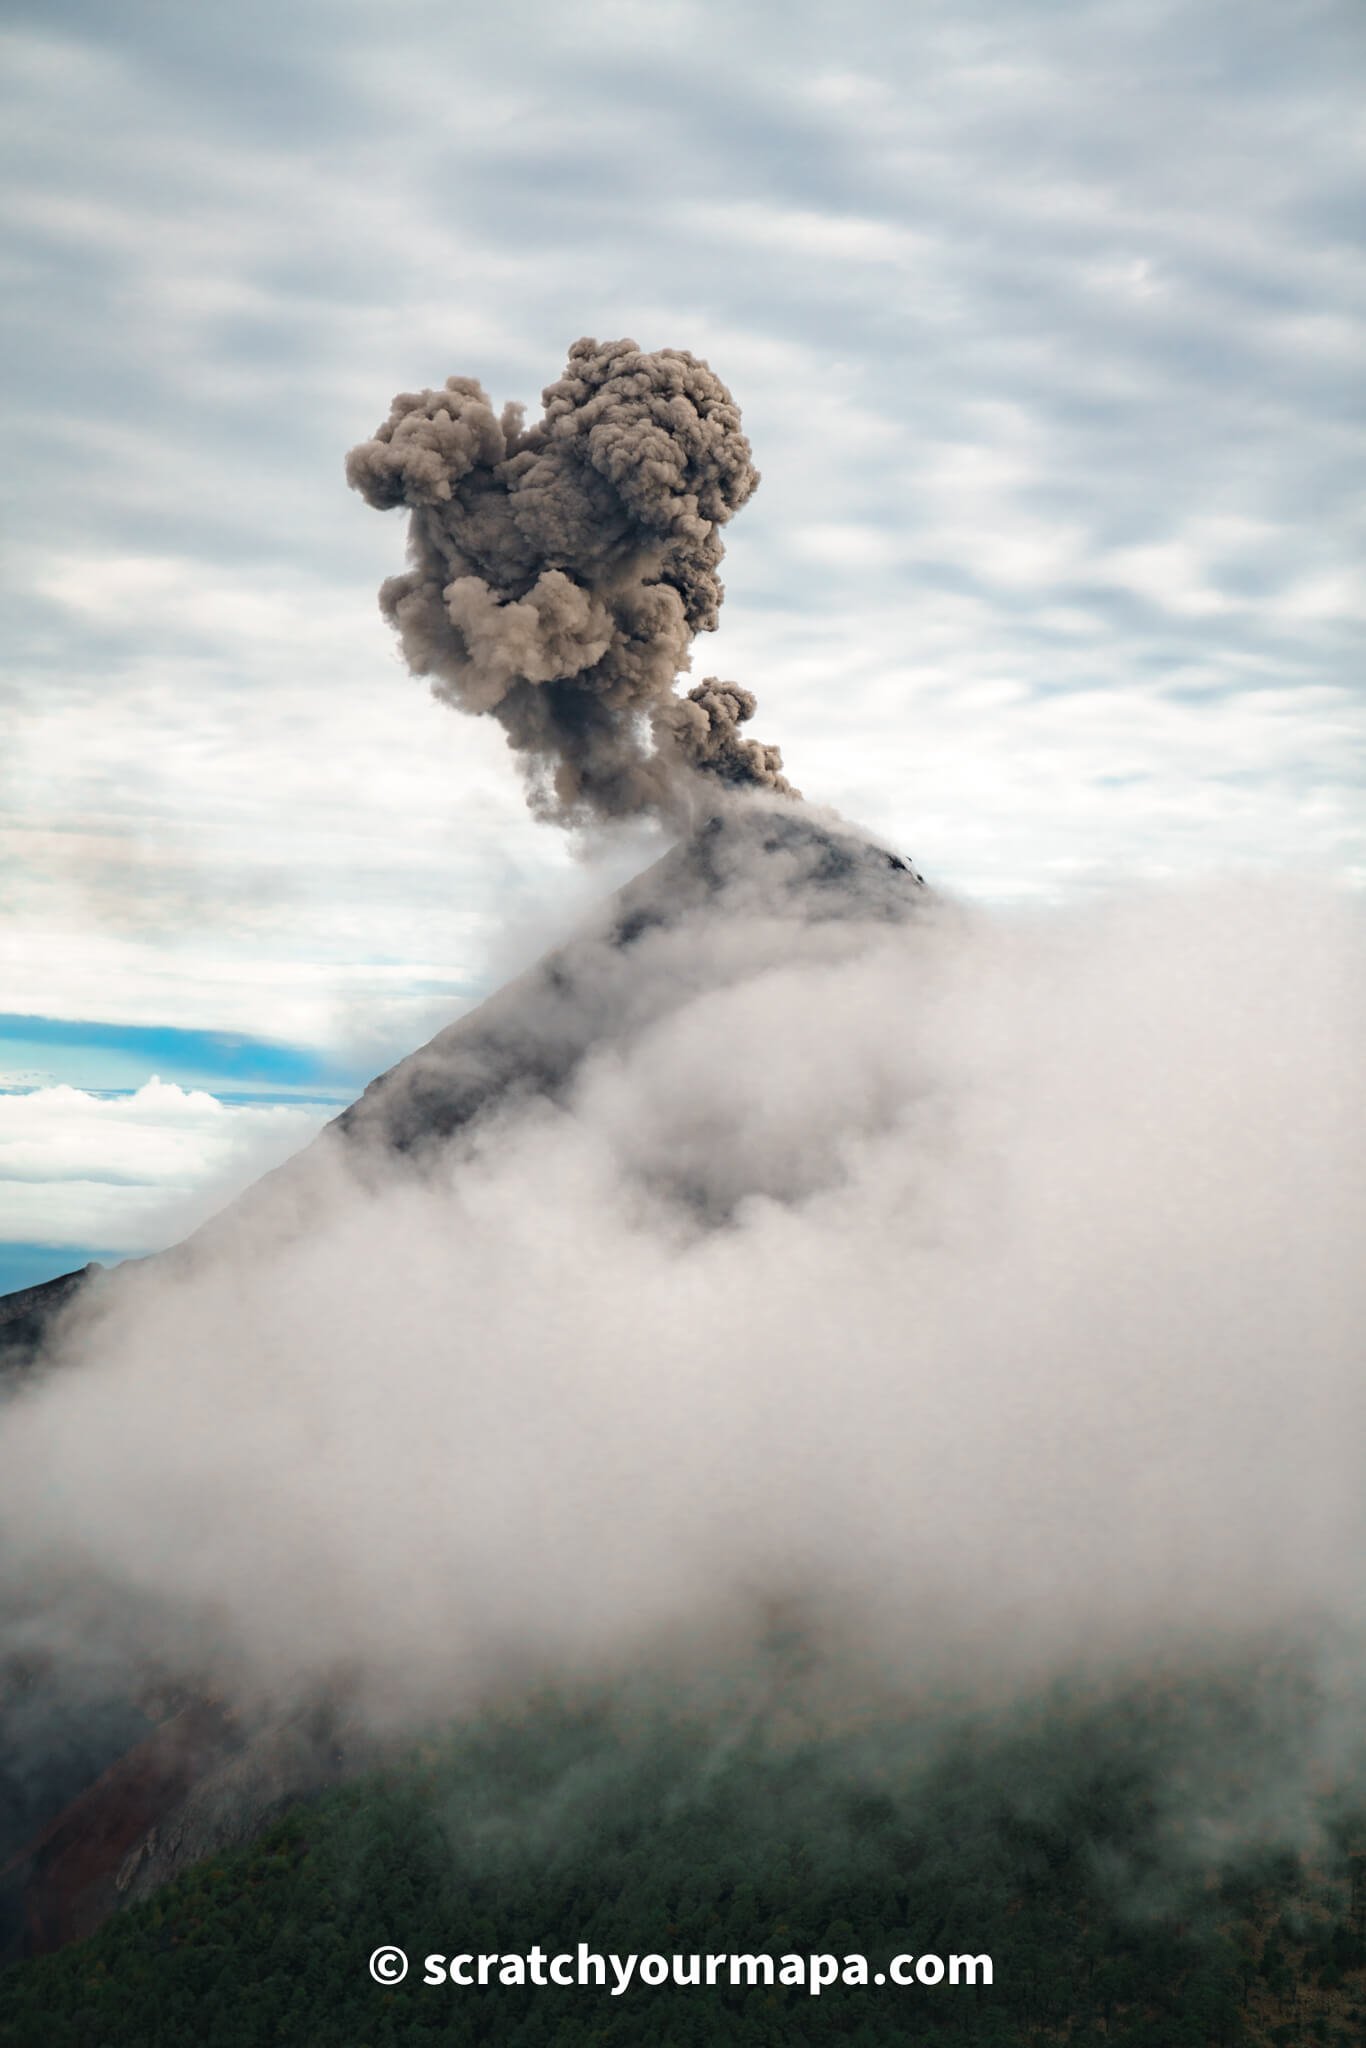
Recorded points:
1047,324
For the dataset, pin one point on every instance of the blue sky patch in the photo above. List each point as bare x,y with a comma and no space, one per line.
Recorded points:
25,1265
112,1058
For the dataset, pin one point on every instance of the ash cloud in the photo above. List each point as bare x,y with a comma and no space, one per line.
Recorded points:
560,572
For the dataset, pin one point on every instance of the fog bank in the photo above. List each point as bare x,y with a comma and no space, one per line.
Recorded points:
983,1289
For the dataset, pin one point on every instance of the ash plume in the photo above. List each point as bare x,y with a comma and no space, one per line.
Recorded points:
560,571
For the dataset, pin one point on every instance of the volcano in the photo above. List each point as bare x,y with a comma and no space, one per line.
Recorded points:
109,1789
532,1036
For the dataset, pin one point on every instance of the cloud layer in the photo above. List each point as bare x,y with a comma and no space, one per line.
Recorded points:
132,1171
986,1286
1081,292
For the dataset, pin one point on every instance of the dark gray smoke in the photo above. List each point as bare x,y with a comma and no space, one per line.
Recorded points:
560,572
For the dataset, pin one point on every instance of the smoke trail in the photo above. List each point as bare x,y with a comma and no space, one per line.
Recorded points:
560,572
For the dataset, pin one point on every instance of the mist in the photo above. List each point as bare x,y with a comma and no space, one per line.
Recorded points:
982,1289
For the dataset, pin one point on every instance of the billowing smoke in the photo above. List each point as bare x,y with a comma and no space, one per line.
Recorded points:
560,572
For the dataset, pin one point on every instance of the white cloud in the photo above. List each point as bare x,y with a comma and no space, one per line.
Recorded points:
1171,574
822,237
994,1280
133,1172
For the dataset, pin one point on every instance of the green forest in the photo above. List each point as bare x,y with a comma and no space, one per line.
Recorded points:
1154,1868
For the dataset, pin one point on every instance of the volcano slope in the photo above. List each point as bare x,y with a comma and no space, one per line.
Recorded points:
773,860
119,1768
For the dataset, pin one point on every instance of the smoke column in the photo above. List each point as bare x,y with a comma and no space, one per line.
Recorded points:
560,571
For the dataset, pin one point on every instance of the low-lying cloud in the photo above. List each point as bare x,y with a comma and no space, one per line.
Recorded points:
986,1287
132,1169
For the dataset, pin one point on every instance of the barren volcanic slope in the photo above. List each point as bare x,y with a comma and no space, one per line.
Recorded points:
532,1035
106,1794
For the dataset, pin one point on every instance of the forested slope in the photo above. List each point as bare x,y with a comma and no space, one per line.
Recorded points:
1066,1847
